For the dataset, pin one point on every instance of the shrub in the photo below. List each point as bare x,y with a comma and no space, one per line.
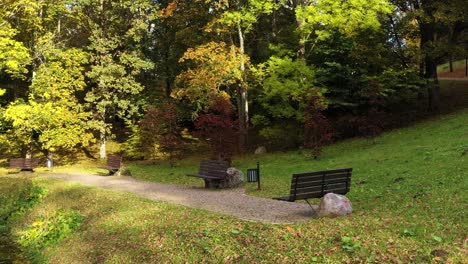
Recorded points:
218,127
160,131
281,136
18,196
132,147
48,231
317,129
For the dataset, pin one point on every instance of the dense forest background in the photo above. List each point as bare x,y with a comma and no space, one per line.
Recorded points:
166,78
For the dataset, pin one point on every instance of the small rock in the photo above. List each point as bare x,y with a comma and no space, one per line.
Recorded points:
439,253
333,205
260,150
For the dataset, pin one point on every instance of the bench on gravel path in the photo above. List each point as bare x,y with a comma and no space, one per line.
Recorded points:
23,164
212,172
113,164
316,184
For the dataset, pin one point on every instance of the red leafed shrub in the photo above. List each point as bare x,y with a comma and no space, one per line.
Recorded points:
317,128
160,131
218,127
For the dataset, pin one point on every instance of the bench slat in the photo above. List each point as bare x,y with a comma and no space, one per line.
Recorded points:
319,183
319,188
23,163
215,173
211,170
113,163
316,184
324,171
312,178
204,176
319,194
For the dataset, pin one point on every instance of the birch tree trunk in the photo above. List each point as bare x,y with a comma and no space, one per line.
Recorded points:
244,103
103,137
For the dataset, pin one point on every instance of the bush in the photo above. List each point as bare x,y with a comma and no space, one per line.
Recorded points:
317,129
132,147
18,196
281,136
218,128
160,132
48,231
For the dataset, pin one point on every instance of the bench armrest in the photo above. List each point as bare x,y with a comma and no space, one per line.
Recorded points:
204,176
285,198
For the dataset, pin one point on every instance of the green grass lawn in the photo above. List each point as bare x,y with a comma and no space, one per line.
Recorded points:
408,192
457,65
405,160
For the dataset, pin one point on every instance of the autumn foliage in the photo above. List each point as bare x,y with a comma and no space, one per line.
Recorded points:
160,131
317,128
218,127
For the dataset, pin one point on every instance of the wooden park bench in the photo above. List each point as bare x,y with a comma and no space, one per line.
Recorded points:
316,184
113,164
23,164
212,172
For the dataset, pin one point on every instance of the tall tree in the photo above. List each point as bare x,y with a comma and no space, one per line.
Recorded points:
439,25
239,16
316,20
52,118
178,27
14,56
116,31
213,70
34,22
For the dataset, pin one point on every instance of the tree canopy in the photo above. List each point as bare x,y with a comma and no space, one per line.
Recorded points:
75,72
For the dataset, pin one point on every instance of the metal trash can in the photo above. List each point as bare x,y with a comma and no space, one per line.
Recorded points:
253,175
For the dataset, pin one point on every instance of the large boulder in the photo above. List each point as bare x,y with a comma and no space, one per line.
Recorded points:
333,205
234,178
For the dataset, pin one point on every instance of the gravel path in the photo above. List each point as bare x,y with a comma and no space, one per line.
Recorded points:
228,201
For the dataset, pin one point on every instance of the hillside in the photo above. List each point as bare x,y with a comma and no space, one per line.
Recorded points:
408,191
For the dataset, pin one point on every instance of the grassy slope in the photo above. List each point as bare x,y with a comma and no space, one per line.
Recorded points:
408,192
459,70
459,64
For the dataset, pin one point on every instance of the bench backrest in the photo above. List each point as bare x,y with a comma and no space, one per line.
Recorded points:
214,168
317,184
114,161
23,163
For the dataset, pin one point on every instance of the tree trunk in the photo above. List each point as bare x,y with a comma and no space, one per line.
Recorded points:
102,136
466,66
301,50
168,74
427,30
29,151
102,148
433,89
451,62
244,103
421,75
274,27
50,159
302,43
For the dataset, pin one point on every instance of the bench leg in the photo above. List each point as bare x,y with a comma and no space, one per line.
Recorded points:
111,172
209,183
309,204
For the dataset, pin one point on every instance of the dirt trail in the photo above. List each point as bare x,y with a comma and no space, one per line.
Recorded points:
228,201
